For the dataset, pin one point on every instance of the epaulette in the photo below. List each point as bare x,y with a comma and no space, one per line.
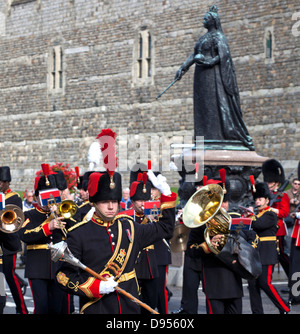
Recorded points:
12,193
77,225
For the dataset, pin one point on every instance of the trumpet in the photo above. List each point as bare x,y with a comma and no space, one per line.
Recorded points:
11,218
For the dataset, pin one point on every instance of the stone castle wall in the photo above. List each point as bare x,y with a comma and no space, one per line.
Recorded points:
99,42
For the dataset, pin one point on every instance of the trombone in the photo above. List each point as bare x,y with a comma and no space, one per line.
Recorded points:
11,218
65,209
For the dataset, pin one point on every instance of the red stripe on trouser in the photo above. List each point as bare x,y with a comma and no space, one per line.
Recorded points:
17,283
32,295
274,291
207,300
166,292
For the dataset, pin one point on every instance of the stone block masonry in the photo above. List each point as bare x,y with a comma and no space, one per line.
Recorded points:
99,40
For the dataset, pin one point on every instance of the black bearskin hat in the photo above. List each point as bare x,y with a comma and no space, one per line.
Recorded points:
273,171
261,190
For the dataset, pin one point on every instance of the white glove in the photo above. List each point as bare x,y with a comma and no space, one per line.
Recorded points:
107,286
159,182
298,215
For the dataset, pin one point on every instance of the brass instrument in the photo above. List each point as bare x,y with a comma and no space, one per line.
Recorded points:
11,218
204,207
65,209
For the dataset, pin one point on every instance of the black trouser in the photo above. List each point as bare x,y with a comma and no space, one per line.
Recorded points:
191,283
224,306
14,282
48,297
149,288
283,257
162,292
263,282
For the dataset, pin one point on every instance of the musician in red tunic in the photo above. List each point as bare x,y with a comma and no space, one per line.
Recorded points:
274,176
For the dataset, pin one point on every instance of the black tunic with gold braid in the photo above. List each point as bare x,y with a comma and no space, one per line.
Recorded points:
111,249
146,264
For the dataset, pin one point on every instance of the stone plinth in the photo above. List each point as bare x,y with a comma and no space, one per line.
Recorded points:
239,165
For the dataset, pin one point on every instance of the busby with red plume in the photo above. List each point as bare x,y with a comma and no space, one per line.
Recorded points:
140,186
99,187
273,171
46,181
106,185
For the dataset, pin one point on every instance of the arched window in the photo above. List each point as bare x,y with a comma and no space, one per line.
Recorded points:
149,55
56,69
143,54
269,45
140,58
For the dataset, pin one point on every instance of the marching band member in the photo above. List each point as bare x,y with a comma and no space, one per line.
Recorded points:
273,175
40,229
222,286
163,259
14,282
265,225
109,243
146,264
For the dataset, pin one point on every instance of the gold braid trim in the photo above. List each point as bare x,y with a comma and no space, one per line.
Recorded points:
167,205
77,225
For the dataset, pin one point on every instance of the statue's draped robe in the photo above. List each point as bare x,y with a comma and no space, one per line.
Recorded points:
217,111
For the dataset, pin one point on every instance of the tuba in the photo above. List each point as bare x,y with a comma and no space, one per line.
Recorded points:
204,207
11,218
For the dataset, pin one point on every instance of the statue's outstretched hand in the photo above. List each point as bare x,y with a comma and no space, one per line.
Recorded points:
179,74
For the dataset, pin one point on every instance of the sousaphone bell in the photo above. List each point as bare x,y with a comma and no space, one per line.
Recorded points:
204,207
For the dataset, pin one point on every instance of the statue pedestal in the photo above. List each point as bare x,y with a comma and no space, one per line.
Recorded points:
239,165
233,158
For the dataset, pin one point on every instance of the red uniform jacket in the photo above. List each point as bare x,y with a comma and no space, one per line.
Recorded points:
283,205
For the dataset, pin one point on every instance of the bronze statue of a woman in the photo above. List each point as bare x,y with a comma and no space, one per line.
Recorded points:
217,111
